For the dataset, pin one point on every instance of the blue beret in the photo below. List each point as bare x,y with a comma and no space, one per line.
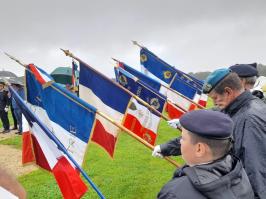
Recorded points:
207,123
214,78
244,70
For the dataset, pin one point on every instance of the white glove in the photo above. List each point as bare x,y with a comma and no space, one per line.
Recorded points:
6,109
175,123
157,152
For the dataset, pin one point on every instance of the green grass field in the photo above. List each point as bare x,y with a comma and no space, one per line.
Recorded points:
132,174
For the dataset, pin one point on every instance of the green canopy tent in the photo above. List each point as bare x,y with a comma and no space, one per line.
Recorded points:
62,75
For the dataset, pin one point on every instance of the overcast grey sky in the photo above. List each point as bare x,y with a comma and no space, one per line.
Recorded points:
196,35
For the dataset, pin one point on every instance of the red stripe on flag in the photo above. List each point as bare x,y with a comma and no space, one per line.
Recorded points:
132,124
203,103
120,64
69,182
39,156
36,74
173,111
103,138
192,107
27,151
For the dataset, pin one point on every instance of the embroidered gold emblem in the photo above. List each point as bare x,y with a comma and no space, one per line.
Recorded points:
154,102
167,74
143,58
122,80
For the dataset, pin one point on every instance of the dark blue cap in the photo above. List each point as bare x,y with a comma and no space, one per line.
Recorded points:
214,78
244,70
207,123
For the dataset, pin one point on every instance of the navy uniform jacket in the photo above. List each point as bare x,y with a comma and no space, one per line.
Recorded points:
222,179
4,100
249,116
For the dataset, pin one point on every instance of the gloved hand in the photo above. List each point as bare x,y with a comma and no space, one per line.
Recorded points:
174,123
6,109
157,152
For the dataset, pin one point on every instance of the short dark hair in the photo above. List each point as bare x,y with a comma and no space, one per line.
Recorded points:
232,81
250,80
219,148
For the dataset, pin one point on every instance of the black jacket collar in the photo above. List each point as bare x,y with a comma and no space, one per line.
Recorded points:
239,102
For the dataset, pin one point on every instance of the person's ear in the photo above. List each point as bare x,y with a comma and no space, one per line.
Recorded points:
200,149
228,91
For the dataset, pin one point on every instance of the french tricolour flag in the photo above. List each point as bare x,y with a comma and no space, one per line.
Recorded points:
60,111
109,99
139,119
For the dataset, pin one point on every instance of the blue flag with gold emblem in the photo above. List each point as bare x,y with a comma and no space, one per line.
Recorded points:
176,79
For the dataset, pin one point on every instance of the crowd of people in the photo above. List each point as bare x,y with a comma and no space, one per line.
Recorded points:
7,102
224,148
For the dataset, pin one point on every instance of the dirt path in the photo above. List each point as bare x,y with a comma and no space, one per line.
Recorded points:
7,135
10,158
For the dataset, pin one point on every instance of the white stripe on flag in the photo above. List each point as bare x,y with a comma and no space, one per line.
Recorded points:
73,144
144,116
87,95
177,99
49,148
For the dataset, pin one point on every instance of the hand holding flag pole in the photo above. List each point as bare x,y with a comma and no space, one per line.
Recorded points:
54,138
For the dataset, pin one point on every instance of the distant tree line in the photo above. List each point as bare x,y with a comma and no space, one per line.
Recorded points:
203,75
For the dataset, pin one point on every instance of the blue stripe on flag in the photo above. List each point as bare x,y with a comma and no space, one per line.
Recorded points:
162,70
60,109
154,99
180,86
147,80
109,93
159,69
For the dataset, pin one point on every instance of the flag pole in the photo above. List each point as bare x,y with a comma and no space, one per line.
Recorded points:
104,116
68,53
145,86
121,127
148,145
58,143
198,105
195,103
55,139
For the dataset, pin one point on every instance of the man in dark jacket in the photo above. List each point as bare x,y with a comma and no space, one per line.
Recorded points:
210,172
248,115
4,103
247,74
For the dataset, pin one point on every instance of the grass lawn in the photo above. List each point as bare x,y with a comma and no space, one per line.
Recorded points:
132,174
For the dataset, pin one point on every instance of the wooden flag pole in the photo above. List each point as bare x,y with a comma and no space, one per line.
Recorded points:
68,53
104,116
198,105
168,101
148,145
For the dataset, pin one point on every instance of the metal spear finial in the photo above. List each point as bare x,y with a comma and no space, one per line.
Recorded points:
15,59
67,53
